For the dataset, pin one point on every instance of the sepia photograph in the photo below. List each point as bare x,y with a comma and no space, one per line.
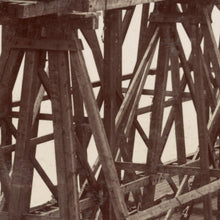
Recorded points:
109,109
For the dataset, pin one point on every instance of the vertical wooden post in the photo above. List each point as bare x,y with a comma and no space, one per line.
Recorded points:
65,148
178,111
160,87
202,131
6,136
112,70
65,144
20,194
143,30
112,80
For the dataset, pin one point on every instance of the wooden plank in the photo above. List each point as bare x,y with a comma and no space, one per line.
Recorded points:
33,141
45,44
22,169
103,148
6,131
183,170
65,148
135,81
35,217
112,72
4,216
144,31
137,98
167,93
111,85
141,167
86,20
136,184
96,5
80,20
167,103
178,111
175,18
176,202
40,8
201,118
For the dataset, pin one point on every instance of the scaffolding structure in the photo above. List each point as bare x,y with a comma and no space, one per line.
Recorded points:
42,39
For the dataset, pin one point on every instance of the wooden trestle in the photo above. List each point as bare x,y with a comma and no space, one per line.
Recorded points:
42,39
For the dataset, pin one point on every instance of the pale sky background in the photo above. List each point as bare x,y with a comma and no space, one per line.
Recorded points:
45,153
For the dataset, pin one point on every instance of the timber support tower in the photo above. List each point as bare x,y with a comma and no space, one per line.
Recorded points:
41,40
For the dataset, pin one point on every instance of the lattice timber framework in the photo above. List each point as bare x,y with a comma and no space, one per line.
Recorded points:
131,117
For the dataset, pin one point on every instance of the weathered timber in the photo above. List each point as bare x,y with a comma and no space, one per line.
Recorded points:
29,9
21,186
44,44
142,82
178,115
202,132
175,18
167,93
175,202
135,81
99,135
4,216
66,163
111,82
168,103
143,29
113,188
